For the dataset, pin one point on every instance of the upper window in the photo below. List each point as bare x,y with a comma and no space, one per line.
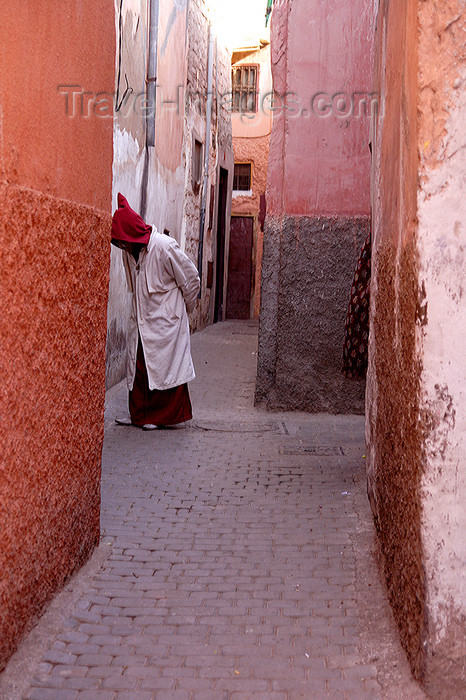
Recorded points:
244,88
242,176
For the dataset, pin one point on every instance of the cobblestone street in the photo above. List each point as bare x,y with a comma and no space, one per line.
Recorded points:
237,559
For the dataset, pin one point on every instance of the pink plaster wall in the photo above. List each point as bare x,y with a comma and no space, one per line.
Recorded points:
320,164
259,124
171,78
55,188
318,202
255,151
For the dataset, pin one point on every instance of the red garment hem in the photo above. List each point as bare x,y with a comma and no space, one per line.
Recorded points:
157,407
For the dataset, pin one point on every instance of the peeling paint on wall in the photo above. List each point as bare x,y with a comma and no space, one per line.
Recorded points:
441,341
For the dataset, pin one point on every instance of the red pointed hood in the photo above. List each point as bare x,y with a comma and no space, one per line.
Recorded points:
129,226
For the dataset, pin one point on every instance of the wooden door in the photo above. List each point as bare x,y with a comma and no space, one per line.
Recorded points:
240,268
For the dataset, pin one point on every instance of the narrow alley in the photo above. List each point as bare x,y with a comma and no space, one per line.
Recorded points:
237,559
280,184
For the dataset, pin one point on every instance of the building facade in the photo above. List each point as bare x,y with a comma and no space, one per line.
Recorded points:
318,201
251,125
416,384
180,178
55,181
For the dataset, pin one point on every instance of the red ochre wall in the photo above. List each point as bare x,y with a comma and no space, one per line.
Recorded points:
46,45
393,409
55,188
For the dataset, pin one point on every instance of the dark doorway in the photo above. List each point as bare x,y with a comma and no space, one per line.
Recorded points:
240,268
220,263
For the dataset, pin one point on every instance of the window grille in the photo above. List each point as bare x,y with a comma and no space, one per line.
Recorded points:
244,86
242,176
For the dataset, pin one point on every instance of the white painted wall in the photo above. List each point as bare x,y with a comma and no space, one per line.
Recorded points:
128,145
442,346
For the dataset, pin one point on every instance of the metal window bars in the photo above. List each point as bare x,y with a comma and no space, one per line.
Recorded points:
244,86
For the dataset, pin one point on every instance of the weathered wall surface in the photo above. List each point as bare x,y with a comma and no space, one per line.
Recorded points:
326,156
318,202
195,125
309,291
416,379
220,154
128,164
55,187
393,431
442,335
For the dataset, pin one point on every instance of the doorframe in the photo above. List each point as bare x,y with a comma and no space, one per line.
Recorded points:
252,283
221,247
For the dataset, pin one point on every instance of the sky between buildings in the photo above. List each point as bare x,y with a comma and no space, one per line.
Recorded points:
239,21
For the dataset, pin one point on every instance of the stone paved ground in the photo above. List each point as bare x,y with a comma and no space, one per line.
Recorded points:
230,566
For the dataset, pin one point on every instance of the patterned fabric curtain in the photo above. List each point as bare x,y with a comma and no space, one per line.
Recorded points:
357,319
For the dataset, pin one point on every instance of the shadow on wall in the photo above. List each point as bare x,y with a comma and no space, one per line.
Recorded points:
115,368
